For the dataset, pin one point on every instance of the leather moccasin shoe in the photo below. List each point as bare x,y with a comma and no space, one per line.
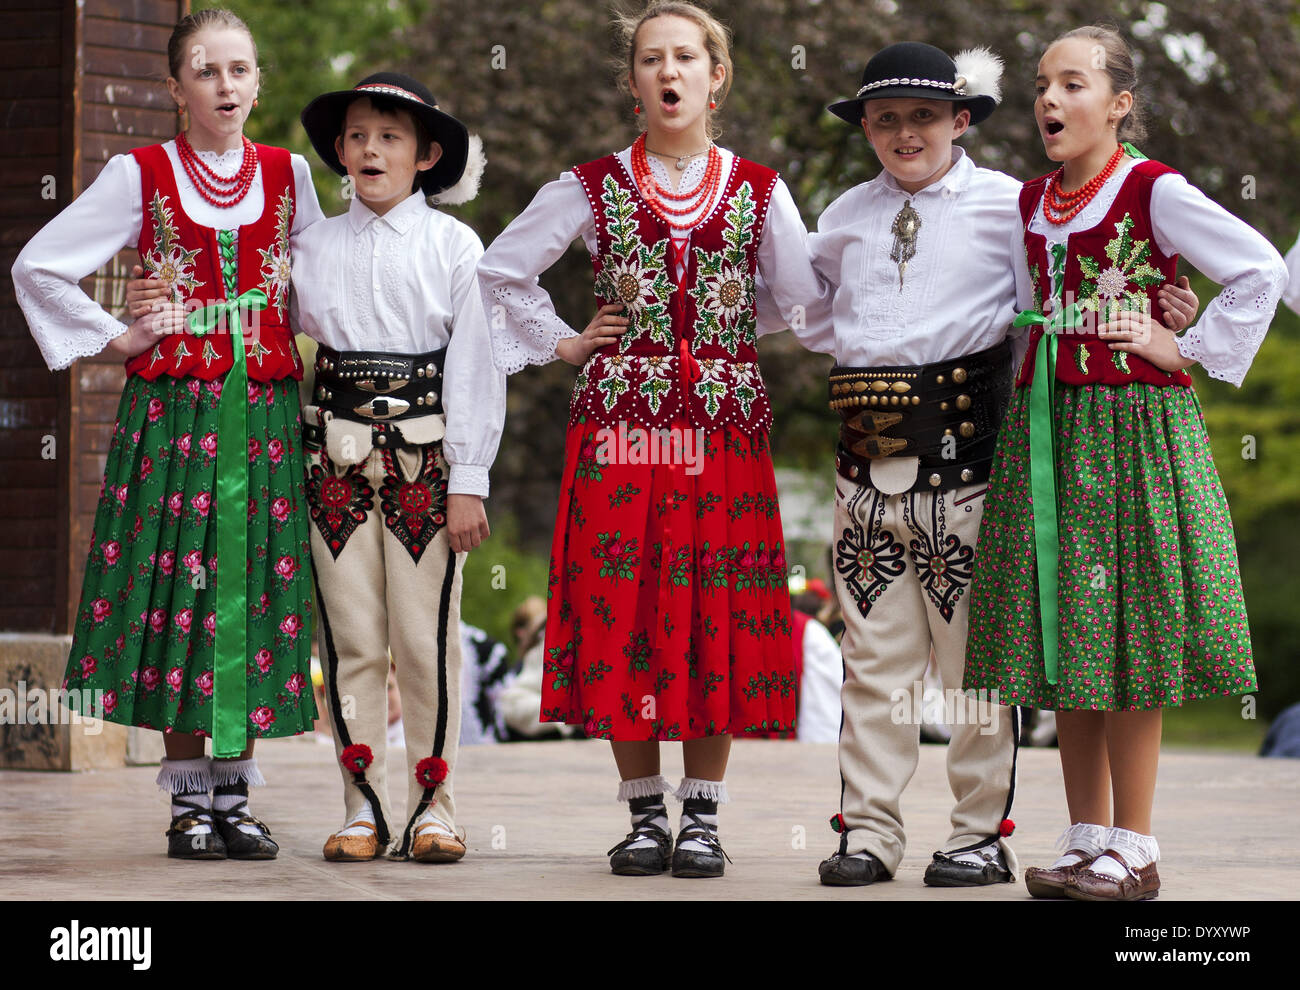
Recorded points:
434,842
184,842
1142,884
1050,883
852,871
241,844
353,848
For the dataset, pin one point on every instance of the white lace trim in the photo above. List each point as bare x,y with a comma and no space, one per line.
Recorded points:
537,331
60,341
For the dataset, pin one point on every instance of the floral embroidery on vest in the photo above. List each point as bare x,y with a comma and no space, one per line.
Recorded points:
1129,266
168,260
277,265
724,287
633,274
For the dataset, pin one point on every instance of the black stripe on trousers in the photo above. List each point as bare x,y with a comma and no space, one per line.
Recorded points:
1011,786
440,733
336,710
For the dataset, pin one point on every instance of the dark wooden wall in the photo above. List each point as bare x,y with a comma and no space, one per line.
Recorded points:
79,83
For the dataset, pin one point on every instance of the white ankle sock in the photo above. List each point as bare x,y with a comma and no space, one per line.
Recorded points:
638,792
364,815
230,782
1137,849
1081,835
191,781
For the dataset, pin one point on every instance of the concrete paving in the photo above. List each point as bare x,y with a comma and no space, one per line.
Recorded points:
539,817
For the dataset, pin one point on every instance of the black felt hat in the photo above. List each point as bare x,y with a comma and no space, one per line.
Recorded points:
323,118
917,71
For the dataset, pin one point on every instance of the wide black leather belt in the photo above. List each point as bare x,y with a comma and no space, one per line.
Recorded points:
372,385
946,414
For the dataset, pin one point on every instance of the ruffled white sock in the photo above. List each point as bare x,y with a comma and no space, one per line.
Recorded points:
644,795
701,797
189,781
230,782
1081,835
1137,849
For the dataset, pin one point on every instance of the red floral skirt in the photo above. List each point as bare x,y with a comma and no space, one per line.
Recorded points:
668,613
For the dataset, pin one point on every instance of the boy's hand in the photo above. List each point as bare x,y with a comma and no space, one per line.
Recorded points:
1179,303
1138,334
147,330
143,294
467,524
603,330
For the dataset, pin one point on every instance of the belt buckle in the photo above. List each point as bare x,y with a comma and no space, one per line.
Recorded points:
379,408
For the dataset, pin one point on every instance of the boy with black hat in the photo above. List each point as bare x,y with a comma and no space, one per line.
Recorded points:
404,422
921,258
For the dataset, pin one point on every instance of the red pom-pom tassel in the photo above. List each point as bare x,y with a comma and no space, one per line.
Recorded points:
357,757
430,771
1006,828
837,824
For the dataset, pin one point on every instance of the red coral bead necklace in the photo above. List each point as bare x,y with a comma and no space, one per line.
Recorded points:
219,190
1062,207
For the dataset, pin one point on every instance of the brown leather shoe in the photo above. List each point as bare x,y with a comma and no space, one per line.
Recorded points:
435,843
1047,882
1138,885
352,848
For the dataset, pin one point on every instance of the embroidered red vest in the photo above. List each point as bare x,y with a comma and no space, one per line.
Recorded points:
1114,266
186,256
688,354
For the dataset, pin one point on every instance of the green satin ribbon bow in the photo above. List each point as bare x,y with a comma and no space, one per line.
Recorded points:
230,646
1042,474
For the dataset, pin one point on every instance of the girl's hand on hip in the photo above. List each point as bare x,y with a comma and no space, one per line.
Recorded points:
603,330
143,294
1139,334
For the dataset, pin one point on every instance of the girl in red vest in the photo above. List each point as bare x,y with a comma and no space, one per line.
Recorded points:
668,616
1106,586
195,614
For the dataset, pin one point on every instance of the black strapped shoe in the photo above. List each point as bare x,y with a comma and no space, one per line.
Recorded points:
239,844
843,870
944,871
688,862
183,845
647,861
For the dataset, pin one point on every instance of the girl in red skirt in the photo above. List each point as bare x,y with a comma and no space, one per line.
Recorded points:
668,616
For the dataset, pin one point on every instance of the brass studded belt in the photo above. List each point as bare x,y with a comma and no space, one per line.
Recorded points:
947,414
372,385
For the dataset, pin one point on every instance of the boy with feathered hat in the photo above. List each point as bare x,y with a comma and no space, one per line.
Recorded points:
403,424
921,259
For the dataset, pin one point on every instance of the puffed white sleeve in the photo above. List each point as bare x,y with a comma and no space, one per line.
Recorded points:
474,388
790,294
306,205
524,325
105,218
819,688
1292,295
1235,255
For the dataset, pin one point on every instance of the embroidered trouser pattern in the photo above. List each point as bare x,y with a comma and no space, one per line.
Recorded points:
388,581
902,574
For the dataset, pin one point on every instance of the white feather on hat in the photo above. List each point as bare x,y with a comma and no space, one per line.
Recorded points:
467,188
982,72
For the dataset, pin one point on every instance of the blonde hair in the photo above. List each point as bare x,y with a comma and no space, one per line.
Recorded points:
191,24
1118,65
717,42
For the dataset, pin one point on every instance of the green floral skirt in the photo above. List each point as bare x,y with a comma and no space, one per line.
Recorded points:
143,643
1151,609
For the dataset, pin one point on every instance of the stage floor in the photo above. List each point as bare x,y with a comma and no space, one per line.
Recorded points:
539,817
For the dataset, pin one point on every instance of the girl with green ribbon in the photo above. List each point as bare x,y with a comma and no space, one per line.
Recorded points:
195,616
1106,586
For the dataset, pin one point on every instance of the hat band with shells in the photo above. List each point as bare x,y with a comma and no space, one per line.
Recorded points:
958,86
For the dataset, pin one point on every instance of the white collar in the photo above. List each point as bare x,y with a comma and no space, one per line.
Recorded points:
401,217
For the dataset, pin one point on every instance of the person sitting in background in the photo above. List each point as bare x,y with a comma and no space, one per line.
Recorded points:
521,699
